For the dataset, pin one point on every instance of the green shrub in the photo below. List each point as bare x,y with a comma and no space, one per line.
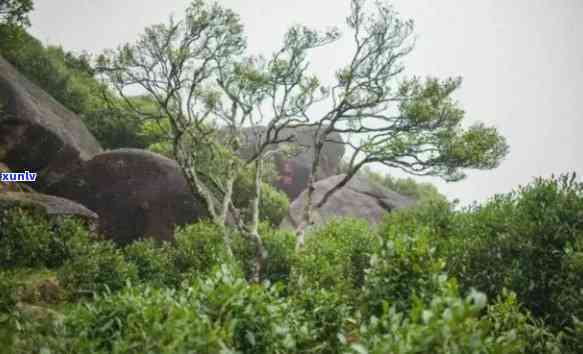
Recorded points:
574,339
258,319
405,267
280,248
273,204
28,239
528,242
199,249
24,239
102,267
506,315
326,316
8,294
335,256
218,313
153,262
448,324
437,215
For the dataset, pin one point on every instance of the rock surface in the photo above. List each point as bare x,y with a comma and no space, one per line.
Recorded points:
360,198
37,133
136,194
293,171
50,205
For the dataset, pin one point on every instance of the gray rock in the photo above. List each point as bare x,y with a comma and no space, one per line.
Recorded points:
37,133
53,207
293,171
360,198
136,193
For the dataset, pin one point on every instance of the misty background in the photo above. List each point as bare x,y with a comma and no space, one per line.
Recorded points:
521,61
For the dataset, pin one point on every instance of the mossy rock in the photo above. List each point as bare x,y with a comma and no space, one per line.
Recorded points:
51,207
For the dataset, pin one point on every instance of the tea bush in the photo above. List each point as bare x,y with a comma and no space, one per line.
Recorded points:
102,267
153,262
417,284
529,242
335,257
450,323
506,315
280,248
28,239
404,268
273,204
8,293
198,249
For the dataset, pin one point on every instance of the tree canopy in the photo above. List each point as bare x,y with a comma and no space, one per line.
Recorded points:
15,11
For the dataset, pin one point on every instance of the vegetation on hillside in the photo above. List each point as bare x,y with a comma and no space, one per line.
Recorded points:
502,277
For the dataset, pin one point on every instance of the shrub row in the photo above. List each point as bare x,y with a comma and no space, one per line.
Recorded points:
415,284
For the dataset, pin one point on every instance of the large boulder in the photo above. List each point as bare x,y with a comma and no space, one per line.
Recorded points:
54,208
136,194
293,170
359,198
37,133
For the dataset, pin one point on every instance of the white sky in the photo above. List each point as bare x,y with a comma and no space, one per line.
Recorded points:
521,60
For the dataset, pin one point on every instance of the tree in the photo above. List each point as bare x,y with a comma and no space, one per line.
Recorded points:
208,100
15,11
171,65
410,124
224,111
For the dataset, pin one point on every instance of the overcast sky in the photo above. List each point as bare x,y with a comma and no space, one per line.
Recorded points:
521,61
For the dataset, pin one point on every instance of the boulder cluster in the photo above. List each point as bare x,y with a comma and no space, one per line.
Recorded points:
128,194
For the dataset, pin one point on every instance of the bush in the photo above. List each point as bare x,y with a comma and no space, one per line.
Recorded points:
529,242
218,313
326,316
436,215
280,248
335,257
506,315
273,204
404,268
199,249
450,323
8,294
102,267
258,319
28,239
153,262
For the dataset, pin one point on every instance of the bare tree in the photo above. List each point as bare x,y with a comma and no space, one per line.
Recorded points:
408,124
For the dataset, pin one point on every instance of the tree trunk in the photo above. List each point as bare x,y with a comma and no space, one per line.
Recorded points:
227,198
309,201
260,253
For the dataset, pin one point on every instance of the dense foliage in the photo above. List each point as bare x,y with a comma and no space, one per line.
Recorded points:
15,12
503,277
